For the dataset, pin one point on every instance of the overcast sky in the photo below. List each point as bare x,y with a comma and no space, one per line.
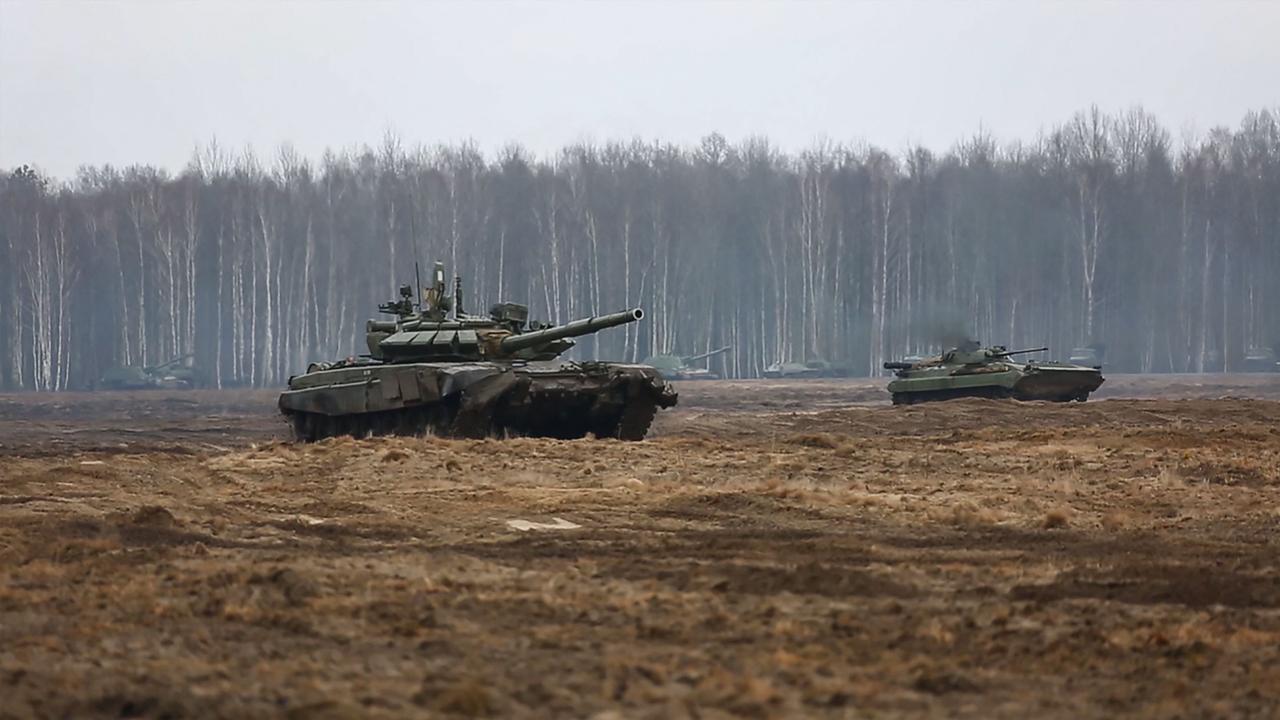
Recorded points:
145,82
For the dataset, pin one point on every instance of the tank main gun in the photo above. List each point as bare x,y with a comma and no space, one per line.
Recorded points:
169,363
690,359
585,326
1008,353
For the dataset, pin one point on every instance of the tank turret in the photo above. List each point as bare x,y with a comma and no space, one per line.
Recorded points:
176,373
970,370
680,367
814,368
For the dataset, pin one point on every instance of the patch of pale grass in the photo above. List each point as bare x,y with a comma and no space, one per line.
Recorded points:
1171,477
816,440
1056,518
1116,520
969,514
394,455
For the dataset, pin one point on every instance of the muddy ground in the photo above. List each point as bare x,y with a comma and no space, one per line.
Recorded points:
776,549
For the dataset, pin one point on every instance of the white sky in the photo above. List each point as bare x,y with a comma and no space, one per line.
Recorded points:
145,82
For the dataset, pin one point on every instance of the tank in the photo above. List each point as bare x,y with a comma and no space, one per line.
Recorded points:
975,371
681,367
436,369
1089,355
816,368
175,374
1261,359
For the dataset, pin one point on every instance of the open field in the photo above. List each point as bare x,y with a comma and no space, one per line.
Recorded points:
776,549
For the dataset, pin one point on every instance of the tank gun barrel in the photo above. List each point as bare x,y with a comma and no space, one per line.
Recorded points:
705,355
898,366
1007,353
169,363
585,326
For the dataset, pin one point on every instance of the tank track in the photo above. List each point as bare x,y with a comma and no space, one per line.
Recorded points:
911,398
443,420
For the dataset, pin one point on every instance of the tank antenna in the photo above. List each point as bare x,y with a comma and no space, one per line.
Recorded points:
457,297
417,284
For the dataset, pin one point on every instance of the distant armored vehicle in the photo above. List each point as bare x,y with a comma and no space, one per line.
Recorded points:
437,369
1261,359
974,371
816,368
174,374
1212,361
680,367
1089,356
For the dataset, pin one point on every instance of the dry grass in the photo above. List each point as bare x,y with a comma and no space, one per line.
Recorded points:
1116,520
394,455
1056,518
737,564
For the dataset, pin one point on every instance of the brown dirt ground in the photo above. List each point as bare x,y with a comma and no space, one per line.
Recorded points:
776,549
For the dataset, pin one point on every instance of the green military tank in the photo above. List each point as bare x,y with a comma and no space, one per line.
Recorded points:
971,370
436,369
176,374
681,367
816,368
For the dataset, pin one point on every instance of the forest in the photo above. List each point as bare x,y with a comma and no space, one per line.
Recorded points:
1103,229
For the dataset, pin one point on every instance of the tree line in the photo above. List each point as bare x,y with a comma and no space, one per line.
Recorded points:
1101,230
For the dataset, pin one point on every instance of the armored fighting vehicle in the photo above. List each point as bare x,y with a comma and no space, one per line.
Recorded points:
177,373
975,371
1261,359
680,367
435,368
1089,355
816,368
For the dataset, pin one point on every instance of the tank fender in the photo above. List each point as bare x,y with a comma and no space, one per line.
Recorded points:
455,380
476,407
653,385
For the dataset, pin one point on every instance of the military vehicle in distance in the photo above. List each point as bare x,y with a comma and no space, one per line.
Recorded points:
680,367
436,369
1089,355
1261,359
176,374
971,370
817,368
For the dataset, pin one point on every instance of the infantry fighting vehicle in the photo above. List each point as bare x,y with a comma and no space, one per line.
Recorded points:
172,375
680,367
975,371
435,368
816,368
